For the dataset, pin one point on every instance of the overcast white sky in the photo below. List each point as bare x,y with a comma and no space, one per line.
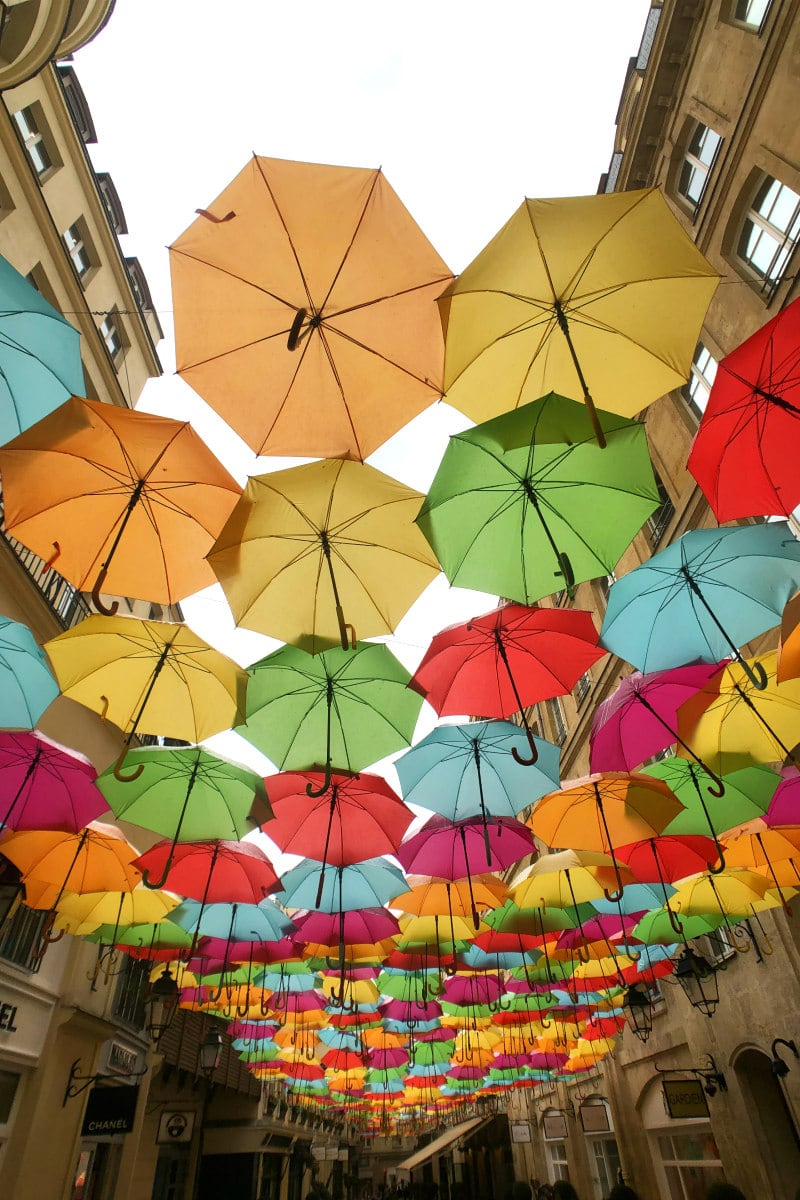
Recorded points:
468,107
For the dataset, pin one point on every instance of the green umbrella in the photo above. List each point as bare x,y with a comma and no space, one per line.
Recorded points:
529,497
187,794
346,708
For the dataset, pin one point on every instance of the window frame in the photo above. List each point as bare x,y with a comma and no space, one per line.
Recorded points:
35,136
699,166
742,22
758,221
701,379
81,249
113,337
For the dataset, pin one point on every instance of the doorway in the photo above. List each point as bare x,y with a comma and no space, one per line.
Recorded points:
772,1120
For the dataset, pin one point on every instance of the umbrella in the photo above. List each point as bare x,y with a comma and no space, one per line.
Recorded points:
304,309
639,719
94,860
356,886
506,660
745,452
570,296
148,676
27,686
211,871
317,549
118,499
703,597
734,720
40,358
45,785
465,771
527,498
187,794
343,708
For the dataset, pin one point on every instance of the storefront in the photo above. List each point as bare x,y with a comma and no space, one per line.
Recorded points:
685,1155
24,1021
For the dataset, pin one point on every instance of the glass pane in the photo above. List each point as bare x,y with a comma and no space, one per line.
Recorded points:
9,1081
695,1145
752,12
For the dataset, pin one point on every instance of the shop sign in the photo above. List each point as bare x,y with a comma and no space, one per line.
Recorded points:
176,1126
110,1110
520,1131
8,1018
594,1118
554,1127
122,1060
684,1098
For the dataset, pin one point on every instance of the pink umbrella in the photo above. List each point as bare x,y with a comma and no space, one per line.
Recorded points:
45,785
467,990
547,1061
640,718
784,807
363,925
466,1072
410,1010
263,952
394,1056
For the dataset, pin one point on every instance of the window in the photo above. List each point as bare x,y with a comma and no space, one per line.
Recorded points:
751,12
131,987
606,1162
717,946
21,941
558,1167
659,520
36,145
704,371
75,242
557,720
112,336
583,687
690,1160
697,163
770,230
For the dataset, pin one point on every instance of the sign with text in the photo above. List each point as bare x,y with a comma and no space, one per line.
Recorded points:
594,1117
110,1110
684,1098
176,1126
554,1126
520,1131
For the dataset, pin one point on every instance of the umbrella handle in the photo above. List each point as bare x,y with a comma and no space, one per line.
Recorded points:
717,870
107,610
755,673
520,758
326,783
567,573
296,326
118,768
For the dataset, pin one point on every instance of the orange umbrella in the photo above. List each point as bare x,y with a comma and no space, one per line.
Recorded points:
304,309
119,500
95,860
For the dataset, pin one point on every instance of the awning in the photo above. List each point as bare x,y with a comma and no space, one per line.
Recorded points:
440,1144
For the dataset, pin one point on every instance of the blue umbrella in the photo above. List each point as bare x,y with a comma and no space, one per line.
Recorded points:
40,358
463,771
703,597
235,922
27,685
362,885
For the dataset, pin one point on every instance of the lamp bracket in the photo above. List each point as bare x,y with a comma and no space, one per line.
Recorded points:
708,1073
85,1081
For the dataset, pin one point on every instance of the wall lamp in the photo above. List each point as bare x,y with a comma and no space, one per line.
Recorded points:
85,1081
712,1079
779,1067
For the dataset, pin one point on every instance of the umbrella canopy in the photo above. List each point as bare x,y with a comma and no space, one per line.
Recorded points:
601,812
745,452
570,297
40,357
27,686
528,498
703,597
45,785
313,549
343,708
464,771
120,500
96,859
304,309
212,871
148,676
360,885
457,850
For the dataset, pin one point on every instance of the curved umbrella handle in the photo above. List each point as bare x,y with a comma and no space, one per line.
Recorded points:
107,610
296,326
326,783
526,762
118,768
583,954
675,922
613,897
717,870
755,673
567,573
353,637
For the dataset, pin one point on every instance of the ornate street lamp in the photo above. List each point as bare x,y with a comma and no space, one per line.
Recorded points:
638,1010
698,978
160,1005
211,1052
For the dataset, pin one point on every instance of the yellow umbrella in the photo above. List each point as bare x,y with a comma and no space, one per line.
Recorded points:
570,297
730,722
310,550
349,991
90,909
149,677
435,930
735,892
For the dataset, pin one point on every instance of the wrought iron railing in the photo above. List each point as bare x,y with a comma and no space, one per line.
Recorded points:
68,604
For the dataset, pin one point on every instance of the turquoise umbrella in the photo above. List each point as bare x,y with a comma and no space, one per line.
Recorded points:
366,884
27,685
703,597
40,358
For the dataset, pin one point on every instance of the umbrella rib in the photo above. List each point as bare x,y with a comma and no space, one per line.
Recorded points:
328,329
353,237
249,283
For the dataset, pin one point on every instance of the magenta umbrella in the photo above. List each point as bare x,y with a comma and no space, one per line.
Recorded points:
784,807
640,718
602,928
410,1010
381,1060
468,990
363,925
45,785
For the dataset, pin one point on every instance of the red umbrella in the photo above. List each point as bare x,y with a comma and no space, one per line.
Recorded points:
213,872
355,817
501,662
745,453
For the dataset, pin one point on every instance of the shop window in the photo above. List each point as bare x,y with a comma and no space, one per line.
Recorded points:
557,1165
77,242
606,1162
770,231
697,389
36,137
698,161
9,1090
690,1160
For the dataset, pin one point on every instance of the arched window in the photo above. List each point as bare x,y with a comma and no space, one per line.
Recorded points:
770,231
698,387
698,161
